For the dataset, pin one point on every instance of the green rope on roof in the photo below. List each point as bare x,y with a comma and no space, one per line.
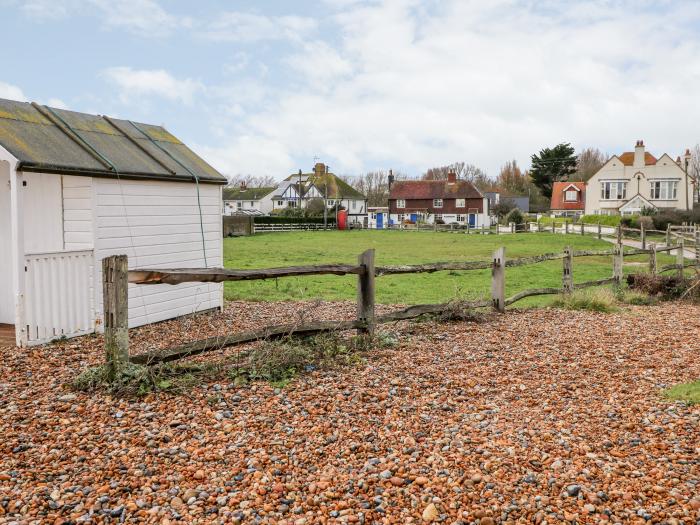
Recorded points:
196,180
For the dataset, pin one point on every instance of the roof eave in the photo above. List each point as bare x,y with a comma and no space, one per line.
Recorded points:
68,170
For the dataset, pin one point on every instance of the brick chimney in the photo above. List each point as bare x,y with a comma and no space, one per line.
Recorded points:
451,177
319,168
243,186
639,160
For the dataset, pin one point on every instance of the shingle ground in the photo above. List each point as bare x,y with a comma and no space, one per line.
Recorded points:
538,416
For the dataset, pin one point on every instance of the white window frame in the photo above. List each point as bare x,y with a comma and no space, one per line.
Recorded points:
460,203
400,217
568,194
400,203
437,203
613,190
663,190
460,217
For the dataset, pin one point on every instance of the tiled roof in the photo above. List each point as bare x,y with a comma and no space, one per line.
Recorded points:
627,158
433,189
558,202
335,187
53,140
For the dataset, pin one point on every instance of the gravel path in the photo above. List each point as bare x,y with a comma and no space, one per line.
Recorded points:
539,416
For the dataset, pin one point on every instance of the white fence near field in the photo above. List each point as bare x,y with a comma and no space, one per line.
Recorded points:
59,295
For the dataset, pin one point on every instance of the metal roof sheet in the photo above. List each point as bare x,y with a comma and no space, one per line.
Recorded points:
61,141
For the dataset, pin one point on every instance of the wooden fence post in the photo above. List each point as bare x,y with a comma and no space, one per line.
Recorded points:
582,229
668,234
619,234
539,226
643,236
600,231
498,280
697,247
618,255
652,258
567,271
365,293
566,226
115,278
680,256
512,227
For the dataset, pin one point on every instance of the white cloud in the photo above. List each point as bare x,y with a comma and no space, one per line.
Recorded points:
237,26
57,103
135,83
11,92
399,84
143,17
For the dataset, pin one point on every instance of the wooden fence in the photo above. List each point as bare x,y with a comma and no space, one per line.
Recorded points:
116,276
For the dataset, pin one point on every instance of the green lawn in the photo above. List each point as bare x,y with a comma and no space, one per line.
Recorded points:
397,247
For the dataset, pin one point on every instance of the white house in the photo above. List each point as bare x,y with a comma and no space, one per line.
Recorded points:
635,180
75,188
299,189
248,201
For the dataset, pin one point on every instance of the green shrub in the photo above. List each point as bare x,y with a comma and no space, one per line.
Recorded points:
688,392
630,221
599,300
665,217
516,216
605,220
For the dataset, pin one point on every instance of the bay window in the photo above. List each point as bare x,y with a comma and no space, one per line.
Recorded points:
613,190
664,190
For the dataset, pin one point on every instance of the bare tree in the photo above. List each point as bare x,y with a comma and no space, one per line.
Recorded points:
511,180
694,170
374,185
251,181
588,162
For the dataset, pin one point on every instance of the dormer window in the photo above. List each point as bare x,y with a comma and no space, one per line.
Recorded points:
571,196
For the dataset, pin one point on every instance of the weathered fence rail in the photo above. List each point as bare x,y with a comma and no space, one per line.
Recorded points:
117,276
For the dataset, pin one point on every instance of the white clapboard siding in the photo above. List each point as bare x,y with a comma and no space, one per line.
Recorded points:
59,295
78,231
157,224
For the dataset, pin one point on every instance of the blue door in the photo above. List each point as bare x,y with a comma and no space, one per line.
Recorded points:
472,220
414,217
380,221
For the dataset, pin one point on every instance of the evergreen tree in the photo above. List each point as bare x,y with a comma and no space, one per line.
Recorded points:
551,165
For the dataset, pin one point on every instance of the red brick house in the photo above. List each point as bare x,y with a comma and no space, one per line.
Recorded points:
451,201
568,199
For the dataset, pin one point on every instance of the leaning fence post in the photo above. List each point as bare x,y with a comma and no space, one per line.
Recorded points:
567,271
115,273
498,280
618,255
643,236
680,257
652,258
365,293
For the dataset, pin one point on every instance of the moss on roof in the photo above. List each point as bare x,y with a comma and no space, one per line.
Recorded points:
249,194
60,141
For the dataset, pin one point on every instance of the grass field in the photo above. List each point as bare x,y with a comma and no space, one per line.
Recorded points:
396,247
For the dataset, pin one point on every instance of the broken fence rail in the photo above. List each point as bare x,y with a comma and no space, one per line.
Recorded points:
116,304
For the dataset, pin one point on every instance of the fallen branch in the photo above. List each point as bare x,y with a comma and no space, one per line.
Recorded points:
286,330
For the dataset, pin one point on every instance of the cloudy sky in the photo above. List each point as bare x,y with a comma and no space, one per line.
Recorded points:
264,87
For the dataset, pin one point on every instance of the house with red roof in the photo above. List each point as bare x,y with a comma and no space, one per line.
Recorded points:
450,201
636,180
568,199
